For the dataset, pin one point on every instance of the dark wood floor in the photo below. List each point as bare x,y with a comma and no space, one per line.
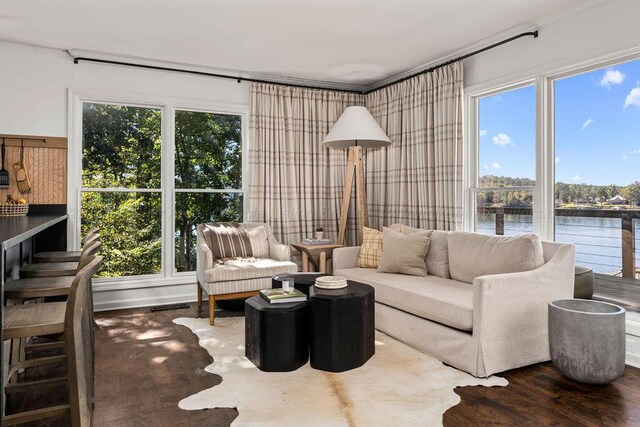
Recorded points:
539,396
145,365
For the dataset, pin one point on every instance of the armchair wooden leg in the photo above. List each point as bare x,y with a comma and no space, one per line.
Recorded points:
199,295
212,306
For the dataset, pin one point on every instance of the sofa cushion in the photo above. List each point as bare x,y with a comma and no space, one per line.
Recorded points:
247,268
434,298
472,254
227,240
259,238
438,254
404,253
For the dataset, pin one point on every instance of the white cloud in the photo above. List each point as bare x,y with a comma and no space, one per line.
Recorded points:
625,157
502,140
633,98
495,165
587,123
557,159
576,178
611,77
483,132
486,167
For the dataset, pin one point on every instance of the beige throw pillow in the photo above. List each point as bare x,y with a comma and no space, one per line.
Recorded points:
259,238
371,248
404,254
438,254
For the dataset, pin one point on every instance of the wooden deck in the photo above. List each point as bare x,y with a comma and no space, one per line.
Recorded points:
618,290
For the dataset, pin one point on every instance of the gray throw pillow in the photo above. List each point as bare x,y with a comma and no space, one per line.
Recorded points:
404,254
438,254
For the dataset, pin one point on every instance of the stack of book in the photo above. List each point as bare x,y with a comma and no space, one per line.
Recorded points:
316,241
278,296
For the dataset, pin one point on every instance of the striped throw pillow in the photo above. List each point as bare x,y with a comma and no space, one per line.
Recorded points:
371,248
227,240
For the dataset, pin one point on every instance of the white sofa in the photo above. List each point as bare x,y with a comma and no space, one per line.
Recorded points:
495,323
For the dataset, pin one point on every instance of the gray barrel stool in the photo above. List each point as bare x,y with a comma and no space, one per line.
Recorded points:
584,283
587,340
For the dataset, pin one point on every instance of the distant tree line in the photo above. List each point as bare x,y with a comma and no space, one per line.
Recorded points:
565,193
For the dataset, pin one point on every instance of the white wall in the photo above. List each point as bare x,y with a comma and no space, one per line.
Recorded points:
34,83
587,35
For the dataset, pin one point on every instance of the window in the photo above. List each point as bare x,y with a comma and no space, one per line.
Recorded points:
208,181
147,197
597,159
121,180
506,167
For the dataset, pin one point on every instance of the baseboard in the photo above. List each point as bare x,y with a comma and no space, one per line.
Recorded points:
118,299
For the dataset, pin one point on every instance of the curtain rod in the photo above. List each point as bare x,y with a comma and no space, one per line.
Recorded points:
239,79
533,34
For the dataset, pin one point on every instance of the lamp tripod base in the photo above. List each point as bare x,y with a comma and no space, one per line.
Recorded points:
355,169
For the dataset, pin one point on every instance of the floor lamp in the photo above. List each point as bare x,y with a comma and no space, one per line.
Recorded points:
355,129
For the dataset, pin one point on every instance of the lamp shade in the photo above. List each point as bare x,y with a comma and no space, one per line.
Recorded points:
356,126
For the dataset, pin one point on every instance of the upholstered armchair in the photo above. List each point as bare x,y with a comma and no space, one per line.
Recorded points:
229,269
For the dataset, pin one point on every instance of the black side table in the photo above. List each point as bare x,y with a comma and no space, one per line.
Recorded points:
342,325
276,335
302,281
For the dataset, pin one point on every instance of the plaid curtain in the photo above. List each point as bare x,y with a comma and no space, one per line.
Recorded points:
296,185
417,180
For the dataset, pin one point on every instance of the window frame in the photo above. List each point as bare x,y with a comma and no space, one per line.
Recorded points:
241,190
544,78
471,174
168,105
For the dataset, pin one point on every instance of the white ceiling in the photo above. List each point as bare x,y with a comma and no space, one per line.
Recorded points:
357,42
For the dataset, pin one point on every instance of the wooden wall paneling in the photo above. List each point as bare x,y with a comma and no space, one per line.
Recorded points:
46,164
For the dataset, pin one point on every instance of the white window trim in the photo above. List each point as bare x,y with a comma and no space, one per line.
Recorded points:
472,150
544,79
168,104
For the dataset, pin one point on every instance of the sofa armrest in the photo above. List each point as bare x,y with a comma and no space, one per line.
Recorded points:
204,258
510,311
519,300
279,251
345,257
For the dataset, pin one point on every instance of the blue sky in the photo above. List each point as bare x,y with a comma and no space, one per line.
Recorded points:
597,129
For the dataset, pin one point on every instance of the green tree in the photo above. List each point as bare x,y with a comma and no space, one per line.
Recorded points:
207,156
122,150
632,193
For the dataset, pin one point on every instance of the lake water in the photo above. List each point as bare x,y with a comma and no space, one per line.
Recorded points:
598,240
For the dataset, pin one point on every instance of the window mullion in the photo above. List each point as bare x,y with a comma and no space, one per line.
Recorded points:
168,184
543,196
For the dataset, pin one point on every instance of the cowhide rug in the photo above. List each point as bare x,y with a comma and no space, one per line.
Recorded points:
397,386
